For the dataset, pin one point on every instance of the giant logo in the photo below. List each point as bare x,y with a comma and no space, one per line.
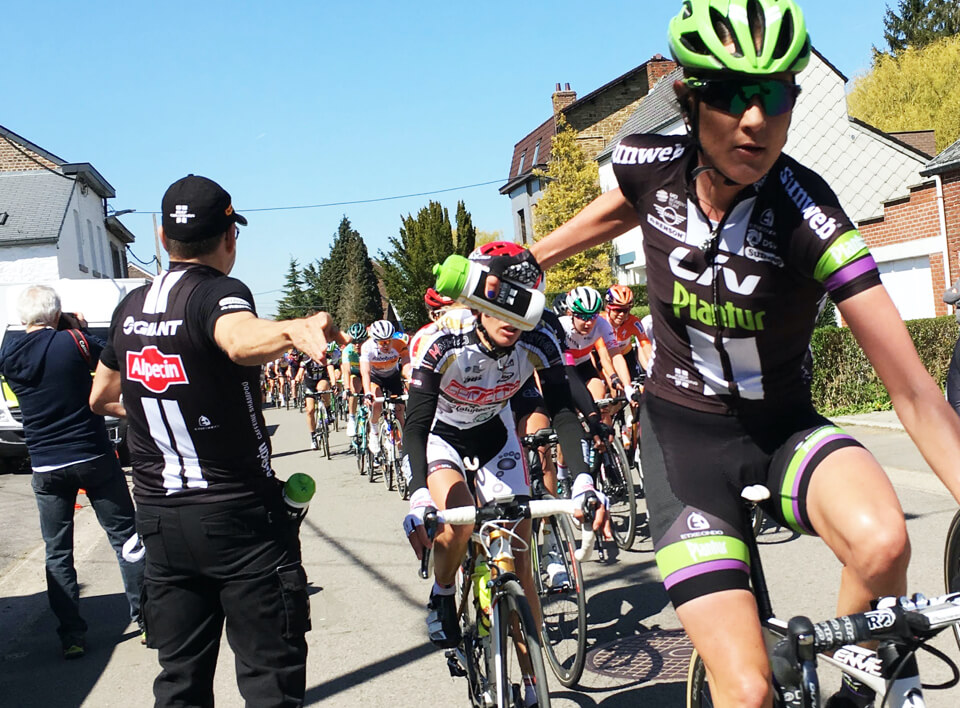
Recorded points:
155,370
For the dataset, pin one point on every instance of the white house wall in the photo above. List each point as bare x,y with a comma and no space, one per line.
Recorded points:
28,264
84,208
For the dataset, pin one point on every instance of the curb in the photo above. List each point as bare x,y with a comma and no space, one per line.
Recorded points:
868,423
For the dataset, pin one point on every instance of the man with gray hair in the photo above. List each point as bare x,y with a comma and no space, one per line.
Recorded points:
49,371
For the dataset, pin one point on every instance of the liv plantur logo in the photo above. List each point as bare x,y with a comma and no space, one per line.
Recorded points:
155,370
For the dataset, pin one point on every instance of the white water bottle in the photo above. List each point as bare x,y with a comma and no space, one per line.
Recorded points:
465,280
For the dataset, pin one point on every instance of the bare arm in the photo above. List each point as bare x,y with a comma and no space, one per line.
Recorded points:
918,401
365,375
606,217
105,393
248,340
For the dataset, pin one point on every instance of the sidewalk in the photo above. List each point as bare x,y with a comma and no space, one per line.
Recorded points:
876,419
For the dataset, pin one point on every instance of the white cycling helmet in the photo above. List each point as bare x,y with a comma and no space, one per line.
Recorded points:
382,329
584,300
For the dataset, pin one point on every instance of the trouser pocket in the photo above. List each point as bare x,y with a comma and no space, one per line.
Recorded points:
296,601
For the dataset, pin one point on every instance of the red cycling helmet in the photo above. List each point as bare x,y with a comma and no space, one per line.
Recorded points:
434,300
522,273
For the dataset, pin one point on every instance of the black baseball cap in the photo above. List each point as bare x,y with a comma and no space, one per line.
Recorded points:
195,208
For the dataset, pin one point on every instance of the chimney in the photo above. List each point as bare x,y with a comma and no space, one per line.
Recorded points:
657,68
562,99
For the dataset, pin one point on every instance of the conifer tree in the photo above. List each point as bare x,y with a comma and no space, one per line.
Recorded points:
291,304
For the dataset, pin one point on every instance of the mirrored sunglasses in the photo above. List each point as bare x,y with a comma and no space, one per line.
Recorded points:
734,96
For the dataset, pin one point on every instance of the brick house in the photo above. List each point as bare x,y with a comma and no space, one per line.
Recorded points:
53,217
596,118
864,166
921,227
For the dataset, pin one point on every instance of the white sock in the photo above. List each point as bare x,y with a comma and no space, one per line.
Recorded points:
439,589
562,471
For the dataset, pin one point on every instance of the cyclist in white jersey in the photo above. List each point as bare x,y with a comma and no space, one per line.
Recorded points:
462,442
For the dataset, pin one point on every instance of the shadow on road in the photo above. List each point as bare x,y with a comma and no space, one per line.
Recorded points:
32,670
337,685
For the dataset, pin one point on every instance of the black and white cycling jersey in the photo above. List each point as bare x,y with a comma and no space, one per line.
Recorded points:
734,303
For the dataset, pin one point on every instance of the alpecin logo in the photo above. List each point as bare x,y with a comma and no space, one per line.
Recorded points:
155,370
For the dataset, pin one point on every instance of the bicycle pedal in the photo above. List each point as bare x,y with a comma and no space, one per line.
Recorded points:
453,664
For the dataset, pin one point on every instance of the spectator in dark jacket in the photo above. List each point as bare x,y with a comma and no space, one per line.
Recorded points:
49,371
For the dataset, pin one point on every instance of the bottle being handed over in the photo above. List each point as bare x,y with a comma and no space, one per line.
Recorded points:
465,280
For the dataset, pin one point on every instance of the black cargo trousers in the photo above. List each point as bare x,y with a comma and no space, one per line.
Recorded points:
237,561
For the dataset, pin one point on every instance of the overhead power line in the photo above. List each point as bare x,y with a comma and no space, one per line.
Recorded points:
359,201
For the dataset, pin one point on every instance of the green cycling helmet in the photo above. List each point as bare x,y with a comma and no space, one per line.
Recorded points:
698,34
357,332
584,301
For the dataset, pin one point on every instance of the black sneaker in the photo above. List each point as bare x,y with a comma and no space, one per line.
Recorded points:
73,647
442,624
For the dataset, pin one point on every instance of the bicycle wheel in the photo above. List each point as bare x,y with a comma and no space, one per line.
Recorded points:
563,601
325,422
476,643
366,450
698,691
360,447
617,483
385,445
951,562
515,635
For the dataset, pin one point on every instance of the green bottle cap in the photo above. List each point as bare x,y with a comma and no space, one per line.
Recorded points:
451,276
300,488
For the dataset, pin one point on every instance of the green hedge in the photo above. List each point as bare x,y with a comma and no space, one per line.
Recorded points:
844,382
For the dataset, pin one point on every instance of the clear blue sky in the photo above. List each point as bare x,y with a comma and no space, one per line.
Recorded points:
298,103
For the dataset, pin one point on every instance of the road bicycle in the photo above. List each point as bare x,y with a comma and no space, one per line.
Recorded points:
390,434
556,572
498,633
284,392
300,396
902,625
321,431
359,444
335,407
612,474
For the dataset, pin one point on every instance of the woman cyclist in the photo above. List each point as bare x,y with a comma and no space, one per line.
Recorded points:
626,328
382,357
350,372
725,403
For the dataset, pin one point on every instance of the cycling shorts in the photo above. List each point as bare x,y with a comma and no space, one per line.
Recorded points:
310,385
586,370
392,384
695,464
489,456
528,400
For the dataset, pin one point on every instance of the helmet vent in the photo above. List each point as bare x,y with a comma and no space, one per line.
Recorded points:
756,20
724,31
693,42
786,36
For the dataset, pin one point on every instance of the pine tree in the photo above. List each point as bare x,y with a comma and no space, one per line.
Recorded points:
465,237
572,182
291,304
913,90
917,23
408,267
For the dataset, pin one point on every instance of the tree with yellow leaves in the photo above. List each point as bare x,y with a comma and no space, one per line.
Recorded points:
572,182
915,89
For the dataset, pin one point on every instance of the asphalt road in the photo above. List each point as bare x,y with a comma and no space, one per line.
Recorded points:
368,646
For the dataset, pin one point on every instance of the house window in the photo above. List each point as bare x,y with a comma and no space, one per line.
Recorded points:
523,226
523,156
93,249
115,256
76,225
103,258
536,152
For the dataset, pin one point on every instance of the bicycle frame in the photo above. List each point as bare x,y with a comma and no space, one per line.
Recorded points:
865,665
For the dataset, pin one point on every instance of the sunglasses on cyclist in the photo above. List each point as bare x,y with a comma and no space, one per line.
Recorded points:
734,96
587,318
